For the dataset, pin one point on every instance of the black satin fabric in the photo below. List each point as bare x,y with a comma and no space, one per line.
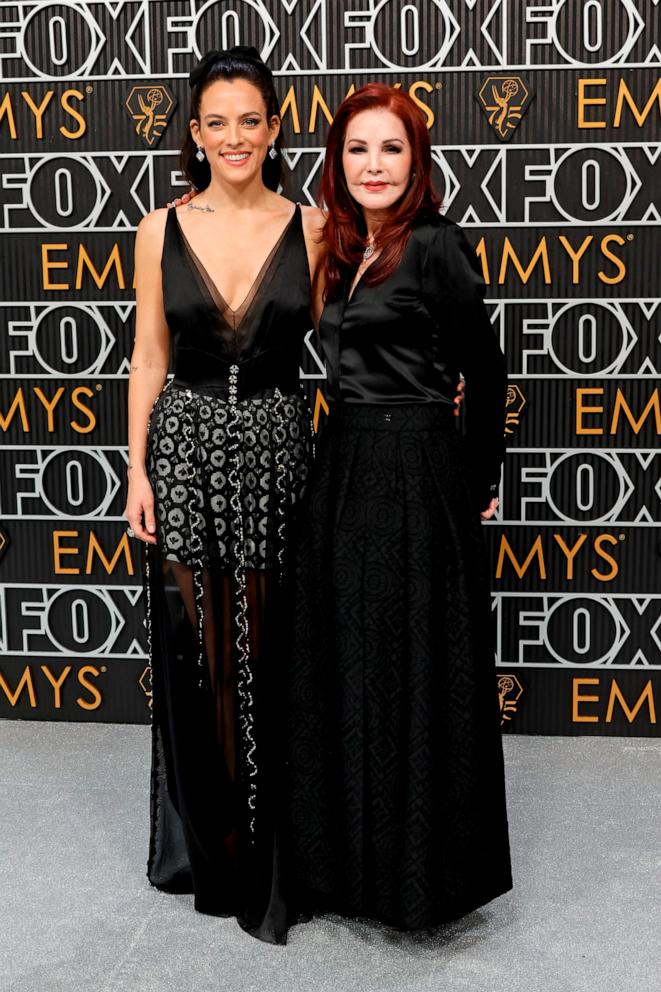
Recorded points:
264,335
408,339
397,792
228,471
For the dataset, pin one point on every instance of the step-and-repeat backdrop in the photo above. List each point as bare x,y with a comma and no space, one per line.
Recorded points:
544,117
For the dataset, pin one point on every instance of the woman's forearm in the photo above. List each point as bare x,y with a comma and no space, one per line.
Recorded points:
146,379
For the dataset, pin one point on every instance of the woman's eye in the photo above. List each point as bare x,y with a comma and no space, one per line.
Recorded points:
252,121
393,148
215,124
356,150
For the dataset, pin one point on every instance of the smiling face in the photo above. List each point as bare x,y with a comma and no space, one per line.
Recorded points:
377,160
234,130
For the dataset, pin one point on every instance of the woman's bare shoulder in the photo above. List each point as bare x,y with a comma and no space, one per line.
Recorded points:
150,235
313,216
153,223
314,220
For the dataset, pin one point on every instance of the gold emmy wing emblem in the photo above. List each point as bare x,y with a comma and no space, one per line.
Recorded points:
145,685
504,100
510,691
513,408
151,107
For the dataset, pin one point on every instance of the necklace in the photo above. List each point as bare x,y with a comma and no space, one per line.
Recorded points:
203,210
369,251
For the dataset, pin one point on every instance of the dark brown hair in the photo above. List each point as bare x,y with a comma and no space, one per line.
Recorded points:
345,229
239,62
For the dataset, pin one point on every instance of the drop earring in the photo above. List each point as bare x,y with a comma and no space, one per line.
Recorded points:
199,154
273,151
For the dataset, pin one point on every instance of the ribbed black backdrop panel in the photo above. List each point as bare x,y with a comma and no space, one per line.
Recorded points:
562,207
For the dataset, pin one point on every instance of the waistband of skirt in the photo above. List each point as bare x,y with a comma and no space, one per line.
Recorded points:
395,417
220,390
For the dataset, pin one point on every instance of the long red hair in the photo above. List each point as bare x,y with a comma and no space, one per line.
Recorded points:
345,230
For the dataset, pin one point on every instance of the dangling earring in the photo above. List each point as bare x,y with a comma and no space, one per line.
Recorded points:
199,154
413,175
273,151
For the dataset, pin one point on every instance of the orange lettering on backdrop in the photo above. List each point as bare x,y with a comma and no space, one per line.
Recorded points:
541,252
587,101
38,110
59,551
621,406
624,96
7,110
583,410
25,682
113,261
66,99
619,264
576,255
289,104
49,404
578,698
536,551
18,403
570,553
605,576
56,683
96,700
47,265
646,695
94,548
75,399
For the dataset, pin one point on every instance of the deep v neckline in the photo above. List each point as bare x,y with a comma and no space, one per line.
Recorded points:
218,298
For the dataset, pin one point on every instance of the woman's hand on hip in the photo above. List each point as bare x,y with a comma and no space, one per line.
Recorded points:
459,398
139,510
179,201
490,510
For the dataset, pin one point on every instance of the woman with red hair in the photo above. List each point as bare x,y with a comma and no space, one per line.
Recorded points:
397,791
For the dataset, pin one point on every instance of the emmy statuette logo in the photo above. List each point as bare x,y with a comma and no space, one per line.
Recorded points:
510,691
4,542
145,684
151,107
504,100
514,405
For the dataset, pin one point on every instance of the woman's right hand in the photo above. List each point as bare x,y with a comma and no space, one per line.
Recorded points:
139,510
186,198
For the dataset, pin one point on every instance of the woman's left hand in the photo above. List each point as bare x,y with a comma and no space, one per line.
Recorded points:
180,201
490,510
459,398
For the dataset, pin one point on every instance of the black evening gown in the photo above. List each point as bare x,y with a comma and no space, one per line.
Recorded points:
228,457
396,769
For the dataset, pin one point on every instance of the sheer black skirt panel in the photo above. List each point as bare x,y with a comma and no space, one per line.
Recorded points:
228,479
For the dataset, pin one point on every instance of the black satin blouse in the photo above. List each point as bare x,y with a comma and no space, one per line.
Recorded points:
408,339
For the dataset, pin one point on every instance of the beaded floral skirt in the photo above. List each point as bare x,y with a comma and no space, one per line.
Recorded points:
228,478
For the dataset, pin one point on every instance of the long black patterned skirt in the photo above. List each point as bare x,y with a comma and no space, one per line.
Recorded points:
396,771
228,477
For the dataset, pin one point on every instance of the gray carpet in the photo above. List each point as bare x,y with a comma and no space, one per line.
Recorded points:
77,913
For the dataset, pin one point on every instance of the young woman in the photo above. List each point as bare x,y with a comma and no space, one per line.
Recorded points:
397,792
217,464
